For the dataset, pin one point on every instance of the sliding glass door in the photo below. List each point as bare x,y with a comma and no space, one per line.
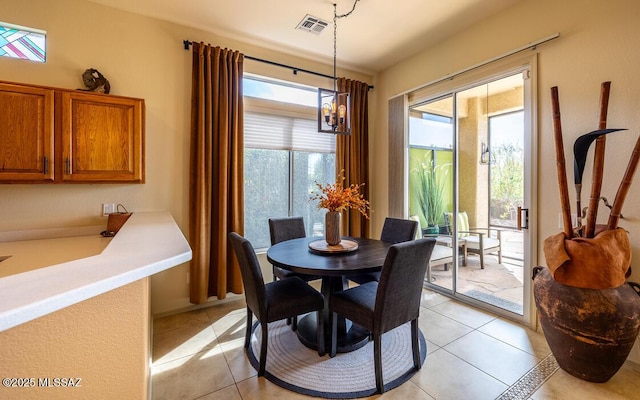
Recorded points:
490,191
470,180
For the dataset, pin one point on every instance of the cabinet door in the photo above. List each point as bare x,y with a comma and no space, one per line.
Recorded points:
102,138
26,133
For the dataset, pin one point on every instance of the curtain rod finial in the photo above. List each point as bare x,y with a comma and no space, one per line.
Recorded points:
186,44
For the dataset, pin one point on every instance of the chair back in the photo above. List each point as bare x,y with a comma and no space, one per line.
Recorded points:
254,289
287,228
396,230
418,227
400,286
463,223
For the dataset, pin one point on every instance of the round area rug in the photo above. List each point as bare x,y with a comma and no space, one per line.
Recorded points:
295,367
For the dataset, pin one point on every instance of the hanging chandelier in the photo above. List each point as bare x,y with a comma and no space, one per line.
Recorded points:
334,107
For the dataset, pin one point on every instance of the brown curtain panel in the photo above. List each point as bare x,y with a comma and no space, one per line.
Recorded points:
352,153
216,200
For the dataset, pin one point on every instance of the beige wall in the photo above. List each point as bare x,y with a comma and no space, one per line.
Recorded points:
473,176
598,43
104,341
141,57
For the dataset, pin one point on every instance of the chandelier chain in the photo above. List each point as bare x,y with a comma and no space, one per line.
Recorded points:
335,47
335,35
349,13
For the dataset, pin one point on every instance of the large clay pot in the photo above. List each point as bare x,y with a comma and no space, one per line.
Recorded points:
590,331
333,228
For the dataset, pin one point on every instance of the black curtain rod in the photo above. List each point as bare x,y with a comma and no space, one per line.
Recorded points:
295,70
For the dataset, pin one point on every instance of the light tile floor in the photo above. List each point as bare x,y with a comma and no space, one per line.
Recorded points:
472,355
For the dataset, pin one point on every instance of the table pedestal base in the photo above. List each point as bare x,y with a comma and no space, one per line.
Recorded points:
351,337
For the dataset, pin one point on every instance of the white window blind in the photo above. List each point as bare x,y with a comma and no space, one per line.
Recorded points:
277,132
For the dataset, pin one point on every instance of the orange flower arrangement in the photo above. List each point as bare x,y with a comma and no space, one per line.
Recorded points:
336,197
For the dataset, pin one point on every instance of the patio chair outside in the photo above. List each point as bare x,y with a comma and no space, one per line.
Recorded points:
478,240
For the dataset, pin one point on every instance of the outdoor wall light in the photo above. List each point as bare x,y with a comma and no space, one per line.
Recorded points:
485,154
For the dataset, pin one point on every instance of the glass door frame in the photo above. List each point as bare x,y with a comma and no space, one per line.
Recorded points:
527,65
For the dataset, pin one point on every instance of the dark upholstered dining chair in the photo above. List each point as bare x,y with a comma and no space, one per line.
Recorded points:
382,306
287,228
394,230
275,300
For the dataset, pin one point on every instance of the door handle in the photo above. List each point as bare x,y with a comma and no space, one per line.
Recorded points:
526,218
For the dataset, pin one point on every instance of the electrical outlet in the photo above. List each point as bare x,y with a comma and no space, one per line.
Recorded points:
108,208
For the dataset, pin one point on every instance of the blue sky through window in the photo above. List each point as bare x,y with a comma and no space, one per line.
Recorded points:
280,92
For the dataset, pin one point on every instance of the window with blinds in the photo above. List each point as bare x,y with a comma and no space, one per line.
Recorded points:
285,156
278,132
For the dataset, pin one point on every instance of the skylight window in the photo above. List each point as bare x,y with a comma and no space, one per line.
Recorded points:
24,43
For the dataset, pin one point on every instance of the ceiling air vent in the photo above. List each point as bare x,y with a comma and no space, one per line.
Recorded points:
312,24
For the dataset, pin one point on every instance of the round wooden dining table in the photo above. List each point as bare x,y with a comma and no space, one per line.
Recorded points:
334,267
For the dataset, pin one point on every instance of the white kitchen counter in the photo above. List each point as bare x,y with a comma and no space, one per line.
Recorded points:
28,255
148,243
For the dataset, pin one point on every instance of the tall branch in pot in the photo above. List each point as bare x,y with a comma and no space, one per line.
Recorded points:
621,195
598,163
561,166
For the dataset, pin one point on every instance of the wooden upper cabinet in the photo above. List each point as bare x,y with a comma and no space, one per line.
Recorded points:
101,138
51,135
26,133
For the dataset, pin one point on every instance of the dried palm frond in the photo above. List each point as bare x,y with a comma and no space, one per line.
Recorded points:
581,148
580,151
